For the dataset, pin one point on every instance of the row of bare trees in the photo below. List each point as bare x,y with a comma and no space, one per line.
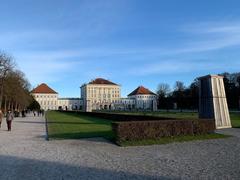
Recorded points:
181,97
14,87
187,97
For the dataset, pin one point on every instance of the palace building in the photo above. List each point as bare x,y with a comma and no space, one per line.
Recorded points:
48,99
69,103
102,94
144,98
98,94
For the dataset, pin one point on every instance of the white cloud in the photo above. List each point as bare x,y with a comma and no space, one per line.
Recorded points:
52,65
213,27
185,66
46,67
212,36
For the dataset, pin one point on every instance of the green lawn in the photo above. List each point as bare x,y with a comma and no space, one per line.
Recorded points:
72,126
178,115
63,125
235,117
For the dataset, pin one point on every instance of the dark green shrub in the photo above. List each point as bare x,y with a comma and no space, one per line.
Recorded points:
140,130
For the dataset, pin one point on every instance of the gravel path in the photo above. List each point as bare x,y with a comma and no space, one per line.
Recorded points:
24,154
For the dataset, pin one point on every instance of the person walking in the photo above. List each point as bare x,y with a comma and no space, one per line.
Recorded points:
1,117
23,113
9,120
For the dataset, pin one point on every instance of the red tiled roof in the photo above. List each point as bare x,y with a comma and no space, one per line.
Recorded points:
102,81
43,88
141,90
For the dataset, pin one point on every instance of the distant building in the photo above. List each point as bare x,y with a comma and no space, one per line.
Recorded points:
69,103
99,94
102,94
124,104
46,97
144,99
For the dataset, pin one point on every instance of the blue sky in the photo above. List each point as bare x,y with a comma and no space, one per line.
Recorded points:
66,43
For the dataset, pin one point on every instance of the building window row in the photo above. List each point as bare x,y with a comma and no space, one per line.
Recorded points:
48,102
145,96
46,96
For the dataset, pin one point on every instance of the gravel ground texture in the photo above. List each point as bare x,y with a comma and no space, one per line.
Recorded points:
25,154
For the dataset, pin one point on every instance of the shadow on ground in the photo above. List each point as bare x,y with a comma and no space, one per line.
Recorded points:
16,168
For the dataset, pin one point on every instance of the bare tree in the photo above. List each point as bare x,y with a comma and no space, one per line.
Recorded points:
6,65
163,90
179,93
16,91
179,86
14,87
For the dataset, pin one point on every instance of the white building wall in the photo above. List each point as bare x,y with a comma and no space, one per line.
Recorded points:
47,101
109,97
100,96
52,102
144,101
124,104
69,103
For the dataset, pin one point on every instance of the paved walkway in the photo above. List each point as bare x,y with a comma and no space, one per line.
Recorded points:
24,154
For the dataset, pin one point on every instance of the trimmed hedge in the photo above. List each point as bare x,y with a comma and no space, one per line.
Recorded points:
119,117
139,127
140,130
